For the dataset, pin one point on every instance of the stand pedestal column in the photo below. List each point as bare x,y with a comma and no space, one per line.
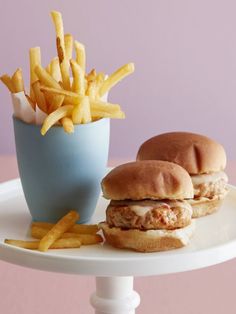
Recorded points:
114,295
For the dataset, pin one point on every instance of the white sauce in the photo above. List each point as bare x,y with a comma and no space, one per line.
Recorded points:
206,178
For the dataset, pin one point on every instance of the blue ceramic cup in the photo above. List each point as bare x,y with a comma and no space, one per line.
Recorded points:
61,171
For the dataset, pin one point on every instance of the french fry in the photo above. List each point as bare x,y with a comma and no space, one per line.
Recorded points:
68,125
78,78
116,77
55,69
77,228
6,79
81,112
68,39
55,116
99,81
104,106
58,244
64,63
53,101
32,245
58,24
48,68
39,96
96,114
86,110
46,78
35,59
91,76
65,67
86,239
60,227
71,98
80,55
17,81
92,89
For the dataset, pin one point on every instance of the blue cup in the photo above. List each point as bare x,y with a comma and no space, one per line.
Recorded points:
59,171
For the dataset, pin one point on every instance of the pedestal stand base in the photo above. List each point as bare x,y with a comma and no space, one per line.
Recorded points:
114,295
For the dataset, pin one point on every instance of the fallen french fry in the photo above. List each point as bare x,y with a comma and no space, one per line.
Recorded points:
58,244
78,78
67,124
17,81
116,77
35,59
86,239
77,228
55,116
68,39
80,55
6,79
60,227
39,96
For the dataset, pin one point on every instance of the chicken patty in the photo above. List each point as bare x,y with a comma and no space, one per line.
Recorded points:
149,214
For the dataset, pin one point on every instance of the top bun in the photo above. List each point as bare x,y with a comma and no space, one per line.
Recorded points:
149,179
196,153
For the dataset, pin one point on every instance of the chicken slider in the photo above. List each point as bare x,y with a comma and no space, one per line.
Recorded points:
203,158
148,210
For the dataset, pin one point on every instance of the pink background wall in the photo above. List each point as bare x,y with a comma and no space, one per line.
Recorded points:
185,56
184,51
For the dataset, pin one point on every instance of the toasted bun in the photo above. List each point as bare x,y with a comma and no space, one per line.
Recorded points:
149,179
196,153
147,241
205,206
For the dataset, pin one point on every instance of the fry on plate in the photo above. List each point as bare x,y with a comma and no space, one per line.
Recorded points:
64,224
77,228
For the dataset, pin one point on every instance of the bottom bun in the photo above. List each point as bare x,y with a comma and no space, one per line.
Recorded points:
205,206
147,241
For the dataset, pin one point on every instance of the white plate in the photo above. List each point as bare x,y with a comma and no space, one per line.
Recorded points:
214,242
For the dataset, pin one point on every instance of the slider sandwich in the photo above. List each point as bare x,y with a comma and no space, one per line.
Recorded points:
203,158
148,210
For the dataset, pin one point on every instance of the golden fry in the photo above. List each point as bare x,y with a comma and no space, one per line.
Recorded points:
86,239
60,227
58,244
92,89
65,74
78,78
46,78
35,59
91,76
71,98
67,125
77,113
58,23
68,39
80,55
116,77
55,70
77,228
39,96
53,101
6,79
86,110
17,81
55,116
48,68
96,114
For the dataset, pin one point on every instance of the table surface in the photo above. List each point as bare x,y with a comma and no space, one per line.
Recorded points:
104,260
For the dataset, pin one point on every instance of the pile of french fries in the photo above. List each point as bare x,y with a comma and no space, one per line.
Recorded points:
64,234
63,90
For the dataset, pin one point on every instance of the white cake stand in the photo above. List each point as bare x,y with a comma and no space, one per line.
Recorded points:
214,242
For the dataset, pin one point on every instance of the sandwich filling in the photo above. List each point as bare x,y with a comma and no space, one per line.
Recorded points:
212,185
149,214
